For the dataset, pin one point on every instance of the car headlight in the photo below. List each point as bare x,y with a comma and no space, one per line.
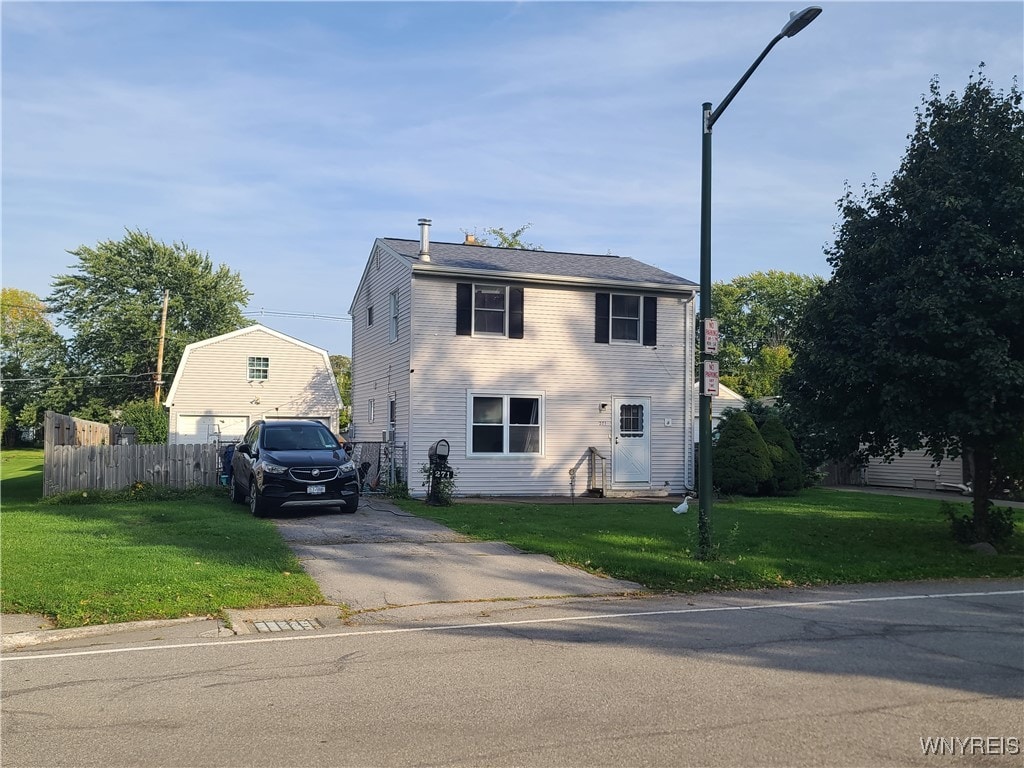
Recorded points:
348,466
274,469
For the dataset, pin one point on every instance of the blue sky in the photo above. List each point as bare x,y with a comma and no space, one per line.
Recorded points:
282,138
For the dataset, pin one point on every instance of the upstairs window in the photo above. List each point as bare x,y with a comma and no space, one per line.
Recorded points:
369,316
488,310
394,317
622,318
259,368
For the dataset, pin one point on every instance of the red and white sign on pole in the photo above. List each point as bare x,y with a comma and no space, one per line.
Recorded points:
710,336
711,378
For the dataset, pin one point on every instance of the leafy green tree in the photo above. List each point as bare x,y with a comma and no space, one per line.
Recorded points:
150,421
740,460
787,474
33,360
513,239
112,305
918,337
341,365
757,315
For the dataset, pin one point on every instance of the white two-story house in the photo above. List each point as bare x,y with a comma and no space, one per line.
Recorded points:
537,367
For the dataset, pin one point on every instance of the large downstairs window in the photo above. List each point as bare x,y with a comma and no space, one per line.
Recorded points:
505,424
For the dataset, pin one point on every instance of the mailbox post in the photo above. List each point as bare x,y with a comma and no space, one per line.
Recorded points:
437,455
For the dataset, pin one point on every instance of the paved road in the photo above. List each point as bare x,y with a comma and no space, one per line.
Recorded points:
847,676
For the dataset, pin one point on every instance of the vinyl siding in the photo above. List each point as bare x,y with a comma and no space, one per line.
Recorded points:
380,367
214,383
914,469
558,359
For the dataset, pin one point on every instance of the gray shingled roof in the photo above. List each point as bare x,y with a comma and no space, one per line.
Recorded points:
548,263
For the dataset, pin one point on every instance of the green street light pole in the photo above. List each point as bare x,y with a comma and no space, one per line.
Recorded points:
797,21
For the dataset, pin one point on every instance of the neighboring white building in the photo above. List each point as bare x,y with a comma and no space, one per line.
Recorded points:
914,469
727,399
524,361
225,383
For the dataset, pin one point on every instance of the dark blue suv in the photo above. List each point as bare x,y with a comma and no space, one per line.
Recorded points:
290,464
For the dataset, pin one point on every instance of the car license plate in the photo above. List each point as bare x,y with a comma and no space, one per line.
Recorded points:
315,489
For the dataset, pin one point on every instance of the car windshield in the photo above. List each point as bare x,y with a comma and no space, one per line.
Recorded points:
299,437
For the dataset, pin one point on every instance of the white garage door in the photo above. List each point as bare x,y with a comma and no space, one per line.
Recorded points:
210,429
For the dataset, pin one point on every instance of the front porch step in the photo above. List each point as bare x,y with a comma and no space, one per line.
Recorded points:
632,493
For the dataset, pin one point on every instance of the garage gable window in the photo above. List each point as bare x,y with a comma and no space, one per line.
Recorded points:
259,368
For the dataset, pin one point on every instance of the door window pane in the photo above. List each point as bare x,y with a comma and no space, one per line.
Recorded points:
631,420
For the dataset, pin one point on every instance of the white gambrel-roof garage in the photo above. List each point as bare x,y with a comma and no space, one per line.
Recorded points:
225,383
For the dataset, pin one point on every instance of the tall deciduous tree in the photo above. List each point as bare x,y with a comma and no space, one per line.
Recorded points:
33,360
757,315
112,305
918,337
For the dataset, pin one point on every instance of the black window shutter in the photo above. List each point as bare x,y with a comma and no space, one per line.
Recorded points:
515,313
650,321
463,309
602,317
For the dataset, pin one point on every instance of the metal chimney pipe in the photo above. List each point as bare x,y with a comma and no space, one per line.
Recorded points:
424,239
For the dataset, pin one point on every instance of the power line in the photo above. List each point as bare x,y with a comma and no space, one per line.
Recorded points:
89,376
306,315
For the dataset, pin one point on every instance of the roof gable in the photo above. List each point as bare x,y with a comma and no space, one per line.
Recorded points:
254,328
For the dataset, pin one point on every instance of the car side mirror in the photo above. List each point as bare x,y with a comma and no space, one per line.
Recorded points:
244,449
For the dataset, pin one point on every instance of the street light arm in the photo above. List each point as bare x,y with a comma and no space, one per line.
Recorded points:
798,20
742,81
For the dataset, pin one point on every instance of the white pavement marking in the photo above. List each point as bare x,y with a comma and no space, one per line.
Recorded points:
7,659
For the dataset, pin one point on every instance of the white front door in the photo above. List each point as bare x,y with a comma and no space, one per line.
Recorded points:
631,440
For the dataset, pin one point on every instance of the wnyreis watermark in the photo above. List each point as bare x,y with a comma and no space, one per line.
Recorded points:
957,746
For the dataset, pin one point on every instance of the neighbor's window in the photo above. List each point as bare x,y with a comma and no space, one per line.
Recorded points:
369,316
369,410
505,424
259,368
394,316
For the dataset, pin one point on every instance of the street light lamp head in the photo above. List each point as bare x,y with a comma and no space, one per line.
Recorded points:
800,19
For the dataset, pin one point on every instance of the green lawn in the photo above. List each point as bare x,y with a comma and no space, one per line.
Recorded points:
820,537
141,558
94,563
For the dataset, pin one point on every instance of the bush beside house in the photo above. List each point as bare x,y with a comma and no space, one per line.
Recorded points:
787,472
741,462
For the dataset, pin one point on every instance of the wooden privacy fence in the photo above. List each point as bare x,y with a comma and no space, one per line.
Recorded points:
60,429
113,467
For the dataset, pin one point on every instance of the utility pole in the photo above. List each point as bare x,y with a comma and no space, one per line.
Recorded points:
160,353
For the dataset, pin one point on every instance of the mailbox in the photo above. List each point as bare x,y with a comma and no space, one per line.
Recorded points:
438,452
437,455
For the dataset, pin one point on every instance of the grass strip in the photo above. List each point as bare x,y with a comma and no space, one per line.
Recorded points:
822,536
